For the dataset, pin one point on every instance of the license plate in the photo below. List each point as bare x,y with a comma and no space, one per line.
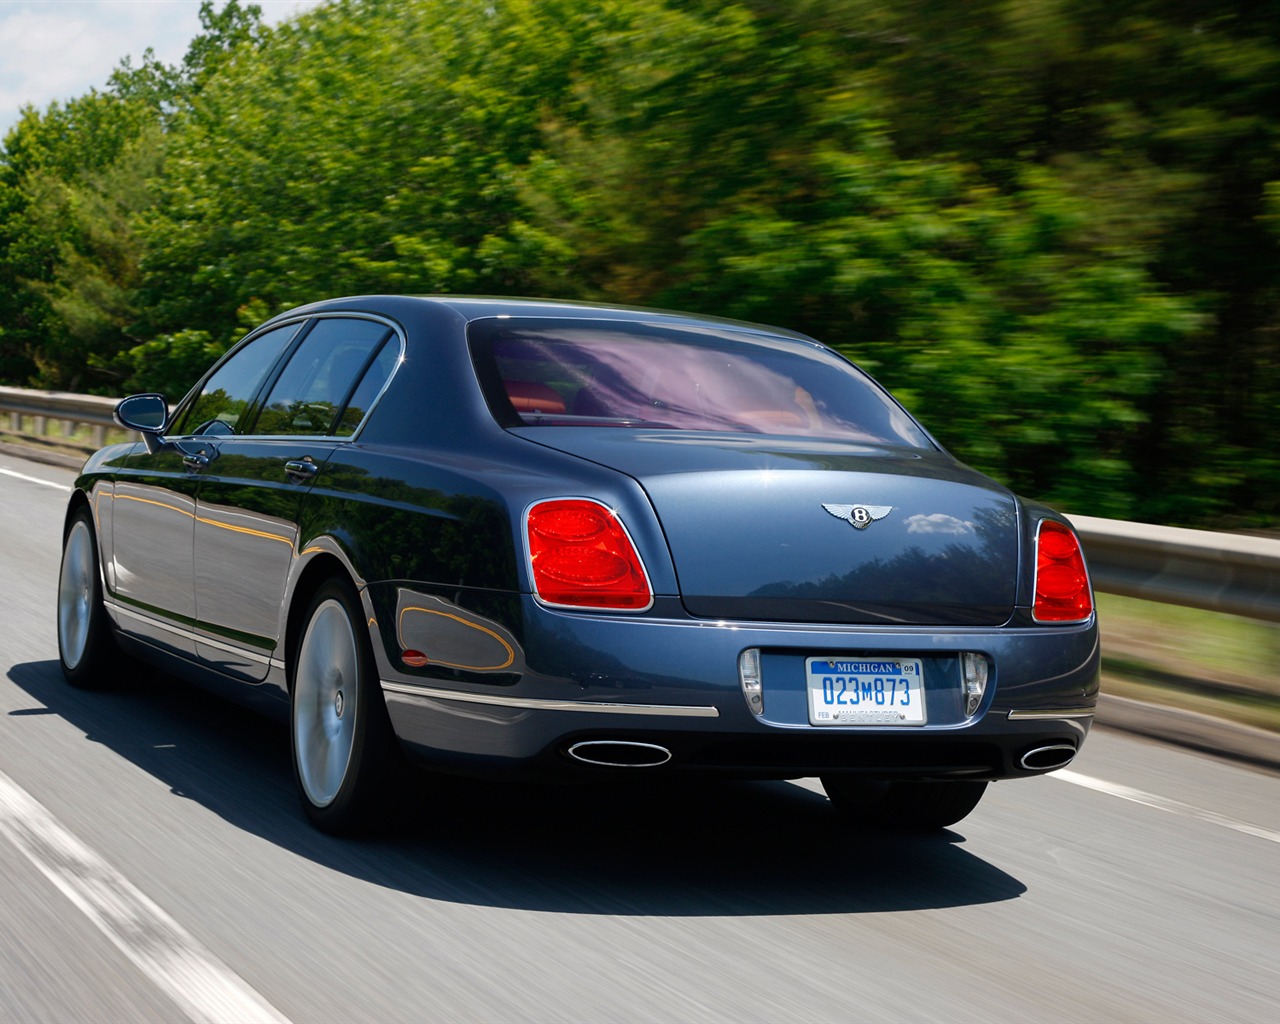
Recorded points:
865,691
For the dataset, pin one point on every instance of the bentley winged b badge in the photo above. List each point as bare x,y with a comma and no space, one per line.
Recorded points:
859,516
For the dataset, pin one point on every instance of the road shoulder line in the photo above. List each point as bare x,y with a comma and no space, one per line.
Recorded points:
32,479
1161,803
189,974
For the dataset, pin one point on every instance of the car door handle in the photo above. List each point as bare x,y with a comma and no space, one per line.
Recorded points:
299,470
196,462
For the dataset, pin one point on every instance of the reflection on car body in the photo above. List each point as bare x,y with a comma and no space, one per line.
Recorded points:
557,540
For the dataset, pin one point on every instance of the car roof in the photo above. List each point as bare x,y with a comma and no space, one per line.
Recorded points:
480,307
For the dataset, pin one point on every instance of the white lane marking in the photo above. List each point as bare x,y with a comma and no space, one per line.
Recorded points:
161,948
1164,804
33,479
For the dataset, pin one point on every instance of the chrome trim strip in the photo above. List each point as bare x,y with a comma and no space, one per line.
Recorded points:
1035,578
531,703
303,318
189,634
1031,715
221,645
169,627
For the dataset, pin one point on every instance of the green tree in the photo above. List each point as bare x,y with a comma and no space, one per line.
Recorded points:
366,146
73,182
66,254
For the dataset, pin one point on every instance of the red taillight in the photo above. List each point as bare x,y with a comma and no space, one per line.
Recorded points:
582,557
1062,584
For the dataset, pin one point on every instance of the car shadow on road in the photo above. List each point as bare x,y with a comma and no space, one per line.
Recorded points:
667,848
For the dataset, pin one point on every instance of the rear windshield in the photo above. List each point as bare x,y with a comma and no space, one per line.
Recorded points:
609,373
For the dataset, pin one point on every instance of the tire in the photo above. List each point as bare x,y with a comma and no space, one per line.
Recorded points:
86,645
904,805
344,750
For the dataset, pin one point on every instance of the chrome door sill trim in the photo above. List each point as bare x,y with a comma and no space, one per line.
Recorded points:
186,633
221,645
1026,715
153,620
596,707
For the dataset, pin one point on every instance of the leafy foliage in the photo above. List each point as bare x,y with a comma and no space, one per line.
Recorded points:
1052,227
74,183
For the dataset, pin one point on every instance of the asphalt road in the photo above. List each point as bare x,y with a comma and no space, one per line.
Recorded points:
154,866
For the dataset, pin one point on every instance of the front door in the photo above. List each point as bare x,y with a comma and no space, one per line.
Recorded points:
153,525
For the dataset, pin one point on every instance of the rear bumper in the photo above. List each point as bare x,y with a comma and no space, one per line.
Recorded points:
673,684
974,754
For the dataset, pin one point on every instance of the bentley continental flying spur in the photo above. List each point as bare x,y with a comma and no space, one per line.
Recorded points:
511,538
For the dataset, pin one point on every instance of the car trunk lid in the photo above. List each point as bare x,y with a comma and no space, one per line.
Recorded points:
801,530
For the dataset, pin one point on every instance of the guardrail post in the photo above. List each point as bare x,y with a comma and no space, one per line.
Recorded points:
99,436
40,425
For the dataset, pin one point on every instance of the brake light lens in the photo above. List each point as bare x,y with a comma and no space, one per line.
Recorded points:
1063,593
582,557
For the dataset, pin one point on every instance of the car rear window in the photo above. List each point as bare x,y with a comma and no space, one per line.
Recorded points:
607,373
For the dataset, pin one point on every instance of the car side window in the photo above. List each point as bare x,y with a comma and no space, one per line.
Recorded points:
370,386
315,383
227,395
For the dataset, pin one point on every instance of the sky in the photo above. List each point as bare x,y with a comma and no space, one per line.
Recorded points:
59,49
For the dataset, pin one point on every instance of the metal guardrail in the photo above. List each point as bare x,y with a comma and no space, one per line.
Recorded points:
1221,572
44,408
1216,571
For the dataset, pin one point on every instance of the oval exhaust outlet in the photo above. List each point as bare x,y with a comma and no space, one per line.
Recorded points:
1040,759
620,754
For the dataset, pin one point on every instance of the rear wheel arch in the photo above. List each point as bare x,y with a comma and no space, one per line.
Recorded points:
314,575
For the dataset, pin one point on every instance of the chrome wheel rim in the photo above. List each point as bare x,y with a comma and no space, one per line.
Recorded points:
325,698
75,594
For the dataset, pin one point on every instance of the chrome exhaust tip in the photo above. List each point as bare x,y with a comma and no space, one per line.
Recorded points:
1042,759
619,754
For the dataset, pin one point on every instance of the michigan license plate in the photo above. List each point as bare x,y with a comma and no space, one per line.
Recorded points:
865,691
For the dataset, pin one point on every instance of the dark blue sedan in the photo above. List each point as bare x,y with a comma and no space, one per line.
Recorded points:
542,539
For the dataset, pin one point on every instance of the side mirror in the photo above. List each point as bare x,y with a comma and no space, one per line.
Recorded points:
146,414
